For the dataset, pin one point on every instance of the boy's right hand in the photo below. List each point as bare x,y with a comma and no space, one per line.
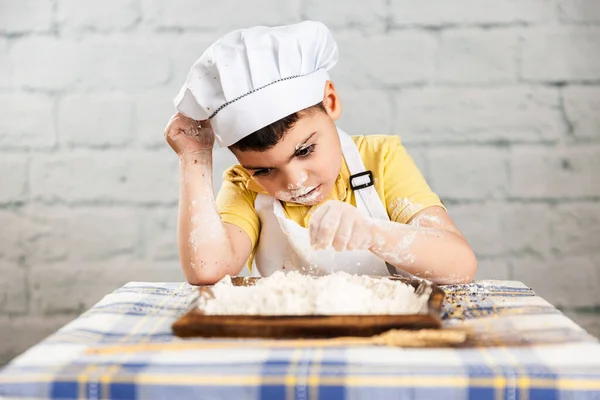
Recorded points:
187,136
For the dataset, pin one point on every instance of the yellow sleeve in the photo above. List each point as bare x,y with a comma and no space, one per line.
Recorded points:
406,191
236,204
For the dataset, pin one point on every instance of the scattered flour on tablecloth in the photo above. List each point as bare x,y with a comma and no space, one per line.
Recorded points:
297,294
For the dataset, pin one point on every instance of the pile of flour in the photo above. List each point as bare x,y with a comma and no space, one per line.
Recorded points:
297,294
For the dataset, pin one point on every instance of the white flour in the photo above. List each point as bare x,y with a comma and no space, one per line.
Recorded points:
297,294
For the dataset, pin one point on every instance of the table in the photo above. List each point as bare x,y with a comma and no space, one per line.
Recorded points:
91,357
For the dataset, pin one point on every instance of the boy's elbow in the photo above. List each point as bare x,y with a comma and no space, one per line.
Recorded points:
209,276
201,278
464,269
468,267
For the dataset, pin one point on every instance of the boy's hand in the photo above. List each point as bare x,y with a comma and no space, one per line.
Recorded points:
341,225
187,136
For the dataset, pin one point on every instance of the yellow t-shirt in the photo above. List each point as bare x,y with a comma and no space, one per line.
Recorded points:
399,183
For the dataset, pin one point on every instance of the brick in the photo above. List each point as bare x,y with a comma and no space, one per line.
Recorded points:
130,63
576,229
555,173
47,63
526,228
477,56
88,283
30,236
108,176
554,279
6,69
561,54
81,234
46,235
100,234
92,120
579,10
58,233
97,16
340,13
519,114
13,288
160,234
471,12
357,104
366,61
22,332
480,224
151,116
581,106
27,121
468,172
13,178
492,269
15,231
223,15
25,16
590,321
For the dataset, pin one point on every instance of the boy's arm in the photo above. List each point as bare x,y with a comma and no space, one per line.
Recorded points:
430,246
208,248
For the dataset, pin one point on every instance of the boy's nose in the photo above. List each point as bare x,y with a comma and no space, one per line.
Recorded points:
296,179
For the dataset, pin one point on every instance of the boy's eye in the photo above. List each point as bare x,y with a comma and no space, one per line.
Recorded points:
262,172
305,151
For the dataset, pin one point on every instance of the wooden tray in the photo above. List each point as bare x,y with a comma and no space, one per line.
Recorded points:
195,324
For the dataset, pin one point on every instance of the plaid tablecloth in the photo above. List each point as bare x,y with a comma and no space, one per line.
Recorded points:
558,360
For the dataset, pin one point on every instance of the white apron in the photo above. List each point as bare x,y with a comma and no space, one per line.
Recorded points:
285,245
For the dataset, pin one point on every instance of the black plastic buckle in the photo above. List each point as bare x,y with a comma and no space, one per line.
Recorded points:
364,185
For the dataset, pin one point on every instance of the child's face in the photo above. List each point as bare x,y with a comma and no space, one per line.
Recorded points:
303,166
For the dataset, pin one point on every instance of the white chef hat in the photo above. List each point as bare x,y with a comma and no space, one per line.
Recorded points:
253,77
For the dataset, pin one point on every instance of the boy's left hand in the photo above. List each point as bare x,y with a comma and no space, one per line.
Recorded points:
341,225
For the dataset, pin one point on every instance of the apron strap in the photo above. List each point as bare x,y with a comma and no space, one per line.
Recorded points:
366,195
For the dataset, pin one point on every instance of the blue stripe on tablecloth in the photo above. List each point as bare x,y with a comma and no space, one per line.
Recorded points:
123,391
64,390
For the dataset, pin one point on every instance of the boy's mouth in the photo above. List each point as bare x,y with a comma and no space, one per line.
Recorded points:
309,196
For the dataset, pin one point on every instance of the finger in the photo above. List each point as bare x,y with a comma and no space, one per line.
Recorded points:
315,221
359,238
327,228
344,233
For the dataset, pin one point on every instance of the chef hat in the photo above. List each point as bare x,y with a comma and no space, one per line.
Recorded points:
253,77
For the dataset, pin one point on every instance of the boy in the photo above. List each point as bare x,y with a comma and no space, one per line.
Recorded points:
306,196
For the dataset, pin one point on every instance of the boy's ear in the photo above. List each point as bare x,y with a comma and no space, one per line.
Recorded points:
331,101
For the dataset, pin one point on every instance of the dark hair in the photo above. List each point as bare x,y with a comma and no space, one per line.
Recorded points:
267,137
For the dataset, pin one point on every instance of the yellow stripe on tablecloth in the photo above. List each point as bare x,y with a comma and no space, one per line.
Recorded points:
82,379
522,381
313,374
290,379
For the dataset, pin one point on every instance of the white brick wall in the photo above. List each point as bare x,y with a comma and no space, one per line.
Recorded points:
561,54
478,114
497,100
579,10
476,56
471,12
26,16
